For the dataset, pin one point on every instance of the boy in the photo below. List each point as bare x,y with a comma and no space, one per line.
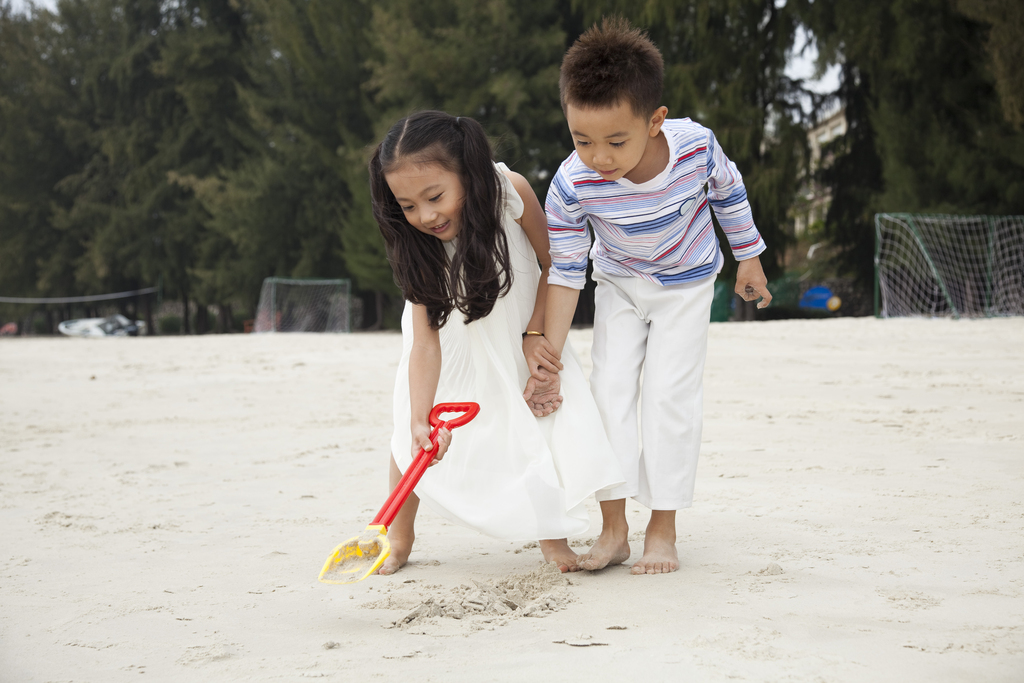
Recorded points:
639,179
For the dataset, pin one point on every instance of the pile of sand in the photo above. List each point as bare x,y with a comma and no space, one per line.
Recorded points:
537,593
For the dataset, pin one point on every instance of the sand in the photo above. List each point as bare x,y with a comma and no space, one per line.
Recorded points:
167,504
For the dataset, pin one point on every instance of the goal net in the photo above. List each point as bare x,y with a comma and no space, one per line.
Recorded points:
959,266
299,305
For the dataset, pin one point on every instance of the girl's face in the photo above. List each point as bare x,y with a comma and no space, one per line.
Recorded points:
430,196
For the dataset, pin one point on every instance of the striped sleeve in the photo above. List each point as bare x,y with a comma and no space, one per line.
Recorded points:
568,233
728,197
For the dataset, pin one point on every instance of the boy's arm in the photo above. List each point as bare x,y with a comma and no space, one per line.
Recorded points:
728,196
570,249
560,310
568,233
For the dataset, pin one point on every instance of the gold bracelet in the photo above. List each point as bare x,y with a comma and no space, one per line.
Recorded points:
532,333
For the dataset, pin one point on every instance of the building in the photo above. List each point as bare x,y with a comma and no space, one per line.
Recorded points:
813,200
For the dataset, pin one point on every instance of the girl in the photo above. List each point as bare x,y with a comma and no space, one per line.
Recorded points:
463,236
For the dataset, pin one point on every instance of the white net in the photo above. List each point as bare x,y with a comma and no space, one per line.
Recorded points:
959,266
294,305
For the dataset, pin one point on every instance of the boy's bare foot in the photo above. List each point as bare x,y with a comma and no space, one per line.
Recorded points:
558,551
660,556
401,547
612,547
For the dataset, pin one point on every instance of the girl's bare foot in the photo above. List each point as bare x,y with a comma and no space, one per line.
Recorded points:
558,551
402,532
401,547
660,556
612,546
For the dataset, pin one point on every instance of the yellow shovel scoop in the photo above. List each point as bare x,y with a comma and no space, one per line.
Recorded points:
358,557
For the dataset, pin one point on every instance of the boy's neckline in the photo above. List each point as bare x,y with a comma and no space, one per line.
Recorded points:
659,167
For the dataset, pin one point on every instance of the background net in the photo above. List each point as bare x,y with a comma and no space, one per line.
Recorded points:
292,305
960,266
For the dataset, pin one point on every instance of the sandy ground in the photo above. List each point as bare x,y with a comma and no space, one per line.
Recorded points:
167,503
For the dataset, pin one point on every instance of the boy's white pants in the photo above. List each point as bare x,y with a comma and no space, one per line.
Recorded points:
662,331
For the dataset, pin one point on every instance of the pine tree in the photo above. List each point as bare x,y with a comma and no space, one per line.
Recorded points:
931,135
33,153
204,57
496,62
292,207
1005,44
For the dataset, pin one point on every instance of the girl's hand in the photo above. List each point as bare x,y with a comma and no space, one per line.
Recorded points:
541,357
421,439
542,395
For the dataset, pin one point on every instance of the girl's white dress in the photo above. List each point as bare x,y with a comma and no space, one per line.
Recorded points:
508,473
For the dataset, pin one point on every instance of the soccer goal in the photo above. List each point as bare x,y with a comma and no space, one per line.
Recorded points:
959,266
300,305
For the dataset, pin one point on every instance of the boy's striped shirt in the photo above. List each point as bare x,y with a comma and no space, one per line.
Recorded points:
660,230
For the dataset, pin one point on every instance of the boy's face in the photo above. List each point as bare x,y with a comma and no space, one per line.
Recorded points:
612,140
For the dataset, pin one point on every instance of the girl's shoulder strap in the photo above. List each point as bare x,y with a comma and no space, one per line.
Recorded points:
514,205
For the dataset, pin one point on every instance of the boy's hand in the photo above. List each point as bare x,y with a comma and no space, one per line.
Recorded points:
542,395
421,439
751,282
540,357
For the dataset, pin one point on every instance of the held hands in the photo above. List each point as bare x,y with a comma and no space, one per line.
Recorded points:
421,439
542,395
542,388
540,356
751,283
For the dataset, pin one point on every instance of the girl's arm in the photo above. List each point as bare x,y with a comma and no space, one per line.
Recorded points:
542,389
540,355
424,373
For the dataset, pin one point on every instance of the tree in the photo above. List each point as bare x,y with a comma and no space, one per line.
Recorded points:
37,107
293,207
918,84
203,56
1005,44
496,61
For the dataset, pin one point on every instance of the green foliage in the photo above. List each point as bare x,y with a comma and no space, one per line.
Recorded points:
209,144
297,205
927,129
37,109
496,61
1005,45
170,324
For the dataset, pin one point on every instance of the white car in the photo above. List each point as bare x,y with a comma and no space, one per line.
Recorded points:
112,326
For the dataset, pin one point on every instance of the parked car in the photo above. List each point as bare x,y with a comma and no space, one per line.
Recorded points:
112,326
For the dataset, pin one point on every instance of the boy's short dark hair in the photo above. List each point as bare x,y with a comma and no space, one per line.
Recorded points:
610,64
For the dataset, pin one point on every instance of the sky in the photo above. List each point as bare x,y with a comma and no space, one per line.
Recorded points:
800,66
19,5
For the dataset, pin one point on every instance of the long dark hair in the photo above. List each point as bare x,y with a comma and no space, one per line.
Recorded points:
480,271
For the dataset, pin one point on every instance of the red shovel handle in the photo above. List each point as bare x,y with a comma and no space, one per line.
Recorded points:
419,464
468,410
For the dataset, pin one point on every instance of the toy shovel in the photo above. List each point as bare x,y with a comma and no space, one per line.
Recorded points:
358,557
